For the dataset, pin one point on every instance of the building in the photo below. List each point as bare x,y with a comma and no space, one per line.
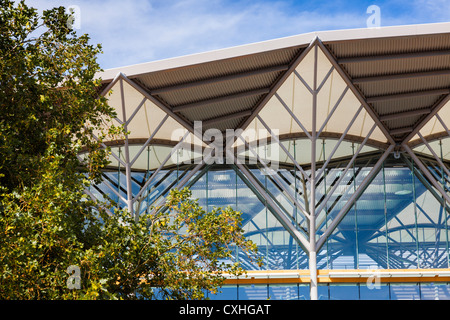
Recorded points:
335,146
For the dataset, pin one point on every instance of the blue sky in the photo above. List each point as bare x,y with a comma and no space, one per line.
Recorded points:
137,31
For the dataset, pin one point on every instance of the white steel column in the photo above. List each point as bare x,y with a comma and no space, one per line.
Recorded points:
127,153
311,208
312,203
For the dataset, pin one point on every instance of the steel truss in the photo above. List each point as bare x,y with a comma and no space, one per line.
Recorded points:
305,196
311,208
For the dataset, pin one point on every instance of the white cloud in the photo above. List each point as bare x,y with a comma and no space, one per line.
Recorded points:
436,9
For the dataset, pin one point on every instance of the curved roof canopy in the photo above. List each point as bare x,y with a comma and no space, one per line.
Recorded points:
391,83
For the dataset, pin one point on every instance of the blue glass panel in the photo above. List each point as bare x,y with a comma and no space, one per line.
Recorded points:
157,294
435,291
431,230
405,291
341,245
221,189
283,251
303,292
225,293
322,258
199,191
370,223
344,292
254,216
283,292
323,292
341,248
252,292
374,292
401,218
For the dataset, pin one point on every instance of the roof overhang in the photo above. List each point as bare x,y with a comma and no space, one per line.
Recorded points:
301,40
400,74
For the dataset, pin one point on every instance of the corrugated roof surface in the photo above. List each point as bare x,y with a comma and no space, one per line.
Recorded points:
225,124
212,70
391,45
214,89
206,91
408,64
402,105
212,111
388,87
382,65
395,66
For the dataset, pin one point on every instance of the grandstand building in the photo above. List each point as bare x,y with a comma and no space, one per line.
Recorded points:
334,145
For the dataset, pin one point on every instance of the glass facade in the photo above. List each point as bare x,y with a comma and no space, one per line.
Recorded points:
354,291
399,221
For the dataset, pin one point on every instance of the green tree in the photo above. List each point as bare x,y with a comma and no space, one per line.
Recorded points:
49,109
176,253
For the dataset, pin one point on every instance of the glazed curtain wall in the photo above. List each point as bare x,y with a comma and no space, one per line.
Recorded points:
358,291
399,222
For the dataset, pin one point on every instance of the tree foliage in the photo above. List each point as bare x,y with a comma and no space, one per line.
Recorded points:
177,253
49,110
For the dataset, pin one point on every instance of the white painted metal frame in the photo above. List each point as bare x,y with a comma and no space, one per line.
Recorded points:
424,169
356,92
277,179
183,181
375,169
128,163
281,216
433,113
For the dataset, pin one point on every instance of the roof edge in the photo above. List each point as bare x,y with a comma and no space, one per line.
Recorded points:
275,44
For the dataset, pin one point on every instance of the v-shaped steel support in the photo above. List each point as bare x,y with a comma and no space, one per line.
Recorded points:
309,240
313,243
120,79
356,92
